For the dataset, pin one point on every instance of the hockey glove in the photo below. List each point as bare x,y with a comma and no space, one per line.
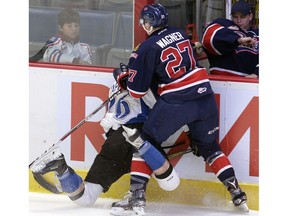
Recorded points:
117,71
124,68
132,136
122,79
121,75
109,122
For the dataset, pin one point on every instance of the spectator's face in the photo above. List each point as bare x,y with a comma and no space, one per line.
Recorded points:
70,30
242,20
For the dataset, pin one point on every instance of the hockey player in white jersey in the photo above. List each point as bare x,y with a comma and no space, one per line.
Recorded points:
115,159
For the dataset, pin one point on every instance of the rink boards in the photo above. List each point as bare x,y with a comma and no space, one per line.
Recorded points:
60,97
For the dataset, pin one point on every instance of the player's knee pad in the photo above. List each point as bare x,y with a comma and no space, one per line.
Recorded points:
89,195
170,180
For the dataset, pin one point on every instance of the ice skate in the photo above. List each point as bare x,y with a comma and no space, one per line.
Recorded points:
239,198
51,160
57,165
132,204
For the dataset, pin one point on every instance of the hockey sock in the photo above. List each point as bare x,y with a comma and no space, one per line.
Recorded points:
139,167
140,173
152,156
220,165
138,182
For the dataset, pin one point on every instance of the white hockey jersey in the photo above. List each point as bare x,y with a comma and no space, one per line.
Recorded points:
61,51
123,109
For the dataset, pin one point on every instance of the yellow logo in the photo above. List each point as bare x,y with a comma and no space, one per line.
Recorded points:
136,48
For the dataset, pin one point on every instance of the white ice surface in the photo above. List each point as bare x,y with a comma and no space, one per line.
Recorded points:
60,205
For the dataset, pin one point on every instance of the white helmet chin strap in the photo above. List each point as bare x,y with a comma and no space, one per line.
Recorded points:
148,31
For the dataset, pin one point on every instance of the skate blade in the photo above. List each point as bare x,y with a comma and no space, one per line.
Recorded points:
139,210
136,211
48,156
117,211
243,207
216,201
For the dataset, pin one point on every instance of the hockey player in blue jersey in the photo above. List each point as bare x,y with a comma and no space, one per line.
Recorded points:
232,46
184,97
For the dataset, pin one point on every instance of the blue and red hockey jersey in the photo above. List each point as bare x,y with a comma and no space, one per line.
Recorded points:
224,53
166,59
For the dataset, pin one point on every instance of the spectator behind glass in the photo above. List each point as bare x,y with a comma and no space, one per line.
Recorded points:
66,47
232,47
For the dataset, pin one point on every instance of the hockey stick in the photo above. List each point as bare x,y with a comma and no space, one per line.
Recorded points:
76,127
175,145
179,153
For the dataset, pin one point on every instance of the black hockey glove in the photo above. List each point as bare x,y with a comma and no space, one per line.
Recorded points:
124,68
118,71
121,75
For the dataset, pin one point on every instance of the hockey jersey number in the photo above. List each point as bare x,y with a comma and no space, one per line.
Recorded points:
175,68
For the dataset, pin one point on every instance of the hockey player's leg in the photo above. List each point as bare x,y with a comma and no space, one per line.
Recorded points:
169,180
53,161
134,201
89,195
223,169
205,135
80,192
239,198
71,183
113,161
163,170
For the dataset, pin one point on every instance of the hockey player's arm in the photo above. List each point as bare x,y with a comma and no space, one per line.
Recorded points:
218,40
122,80
149,99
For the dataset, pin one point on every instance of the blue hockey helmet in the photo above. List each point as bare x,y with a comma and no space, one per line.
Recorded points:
155,14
